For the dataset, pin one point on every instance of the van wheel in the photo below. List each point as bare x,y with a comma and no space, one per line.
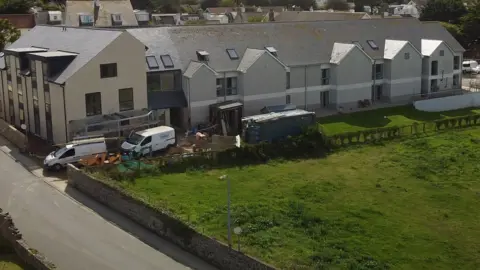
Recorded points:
57,167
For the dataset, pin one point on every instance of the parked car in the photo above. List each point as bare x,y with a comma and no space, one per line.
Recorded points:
150,140
469,65
74,151
476,70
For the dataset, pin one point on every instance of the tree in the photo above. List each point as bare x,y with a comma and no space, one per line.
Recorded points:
227,3
16,6
8,33
337,5
471,25
443,10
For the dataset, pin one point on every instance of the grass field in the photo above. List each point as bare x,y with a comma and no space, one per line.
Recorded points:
394,116
404,205
10,262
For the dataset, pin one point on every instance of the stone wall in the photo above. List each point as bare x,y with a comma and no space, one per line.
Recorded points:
164,225
12,134
13,237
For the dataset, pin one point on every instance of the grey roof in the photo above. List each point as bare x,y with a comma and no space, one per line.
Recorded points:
297,43
107,8
300,16
86,42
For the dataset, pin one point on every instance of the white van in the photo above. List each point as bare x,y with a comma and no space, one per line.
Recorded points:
74,151
152,139
469,65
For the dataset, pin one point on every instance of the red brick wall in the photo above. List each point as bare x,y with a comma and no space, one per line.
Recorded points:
20,20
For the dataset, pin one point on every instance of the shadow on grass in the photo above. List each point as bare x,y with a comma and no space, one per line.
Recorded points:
381,117
139,232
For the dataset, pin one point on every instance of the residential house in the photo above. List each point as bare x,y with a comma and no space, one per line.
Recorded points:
99,13
22,22
319,65
301,16
56,79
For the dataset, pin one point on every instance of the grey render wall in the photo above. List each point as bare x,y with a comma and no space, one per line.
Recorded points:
354,79
264,84
203,92
306,85
445,68
405,74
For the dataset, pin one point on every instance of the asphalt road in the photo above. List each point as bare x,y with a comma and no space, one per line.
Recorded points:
72,235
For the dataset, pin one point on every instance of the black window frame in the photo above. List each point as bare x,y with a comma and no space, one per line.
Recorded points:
325,76
151,64
456,62
441,52
434,71
288,80
69,153
406,56
127,104
108,70
167,61
96,110
232,53
146,140
372,44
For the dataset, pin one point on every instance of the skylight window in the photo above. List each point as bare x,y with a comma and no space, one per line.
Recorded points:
85,19
372,44
152,62
167,61
116,19
271,50
232,54
202,55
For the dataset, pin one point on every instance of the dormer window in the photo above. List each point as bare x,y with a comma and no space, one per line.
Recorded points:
116,19
85,19
203,56
271,50
372,44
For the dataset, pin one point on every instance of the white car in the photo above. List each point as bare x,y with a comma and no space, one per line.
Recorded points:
476,70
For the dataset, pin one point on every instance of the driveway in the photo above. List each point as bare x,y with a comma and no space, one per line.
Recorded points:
79,234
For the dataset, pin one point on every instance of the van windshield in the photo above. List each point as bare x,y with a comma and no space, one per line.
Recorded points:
135,139
59,152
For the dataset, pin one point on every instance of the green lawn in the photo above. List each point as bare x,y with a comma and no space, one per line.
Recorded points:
394,116
10,262
404,205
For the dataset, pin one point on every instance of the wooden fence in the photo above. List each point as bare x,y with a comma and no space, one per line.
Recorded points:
380,134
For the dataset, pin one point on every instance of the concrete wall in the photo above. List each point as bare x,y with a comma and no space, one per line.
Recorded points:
59,127
129,54
448,103
12,134
263,84
445,68
404,75
165,226
13,237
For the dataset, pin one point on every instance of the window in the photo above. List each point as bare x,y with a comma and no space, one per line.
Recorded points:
47,97
19,84
125,99
152,62
434,68
167,61
69,153
116,19
8,67
372,44
433,85
287,101
325,76
20,97
147,140
85,20
272,50
232,54
378,71
442,52
288,80
108,70
456,62
406,56
227,86
93,103
456,80
202,56
167,81
21,114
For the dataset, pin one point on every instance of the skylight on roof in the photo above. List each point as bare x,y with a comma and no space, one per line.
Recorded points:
167,61
372,44
202,55
152,62
271,50
232,54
